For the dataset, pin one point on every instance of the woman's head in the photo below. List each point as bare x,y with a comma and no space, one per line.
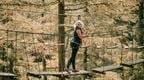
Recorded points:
79,24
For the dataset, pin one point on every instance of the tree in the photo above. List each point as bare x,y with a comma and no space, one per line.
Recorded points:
61,36
141,23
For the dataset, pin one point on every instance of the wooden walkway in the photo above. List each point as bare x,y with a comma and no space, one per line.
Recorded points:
46,73
132,62
4,74
100,70
103,69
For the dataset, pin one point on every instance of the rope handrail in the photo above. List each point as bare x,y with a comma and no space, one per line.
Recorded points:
40,4
74,9
66,14
51,3
74,4
28,4
28,32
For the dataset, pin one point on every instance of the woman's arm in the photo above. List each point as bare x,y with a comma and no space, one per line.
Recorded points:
81,36
69,31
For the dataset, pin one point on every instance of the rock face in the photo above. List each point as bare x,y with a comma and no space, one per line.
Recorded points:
108,14
112,76
101,15
114,12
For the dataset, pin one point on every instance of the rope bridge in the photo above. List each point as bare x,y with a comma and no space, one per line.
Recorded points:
15,41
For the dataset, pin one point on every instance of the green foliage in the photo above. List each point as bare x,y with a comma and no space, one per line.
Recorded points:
5,20
2,53
8,59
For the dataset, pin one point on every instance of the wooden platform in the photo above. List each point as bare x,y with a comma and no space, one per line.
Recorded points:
81,72
101,70
132,62
45,73
106,68
4,74
140,47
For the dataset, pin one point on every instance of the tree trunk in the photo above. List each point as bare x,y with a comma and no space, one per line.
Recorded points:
141,23
44,67
43,1
85,61
61,37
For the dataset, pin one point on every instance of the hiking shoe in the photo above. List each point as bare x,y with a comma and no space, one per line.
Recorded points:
75,70
66,69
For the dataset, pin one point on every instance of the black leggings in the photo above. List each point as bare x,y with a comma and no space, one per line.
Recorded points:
75,48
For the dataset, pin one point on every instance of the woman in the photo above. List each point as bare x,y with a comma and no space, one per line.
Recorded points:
76,41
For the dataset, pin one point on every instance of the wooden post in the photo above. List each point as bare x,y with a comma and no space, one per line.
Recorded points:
44,66
85,61
79,17
141,23
44,59
86,48
61,37
43,1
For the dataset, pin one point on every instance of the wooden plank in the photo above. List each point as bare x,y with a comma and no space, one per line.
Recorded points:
132,62
4,74
81,72
112,47
140,47
106,68
36,73
46,73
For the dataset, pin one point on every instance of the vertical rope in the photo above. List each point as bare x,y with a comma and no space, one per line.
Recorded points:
15,53
132,51
111,47
132,46
6,68
121,58
7,34
35,51
27,60
103,52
